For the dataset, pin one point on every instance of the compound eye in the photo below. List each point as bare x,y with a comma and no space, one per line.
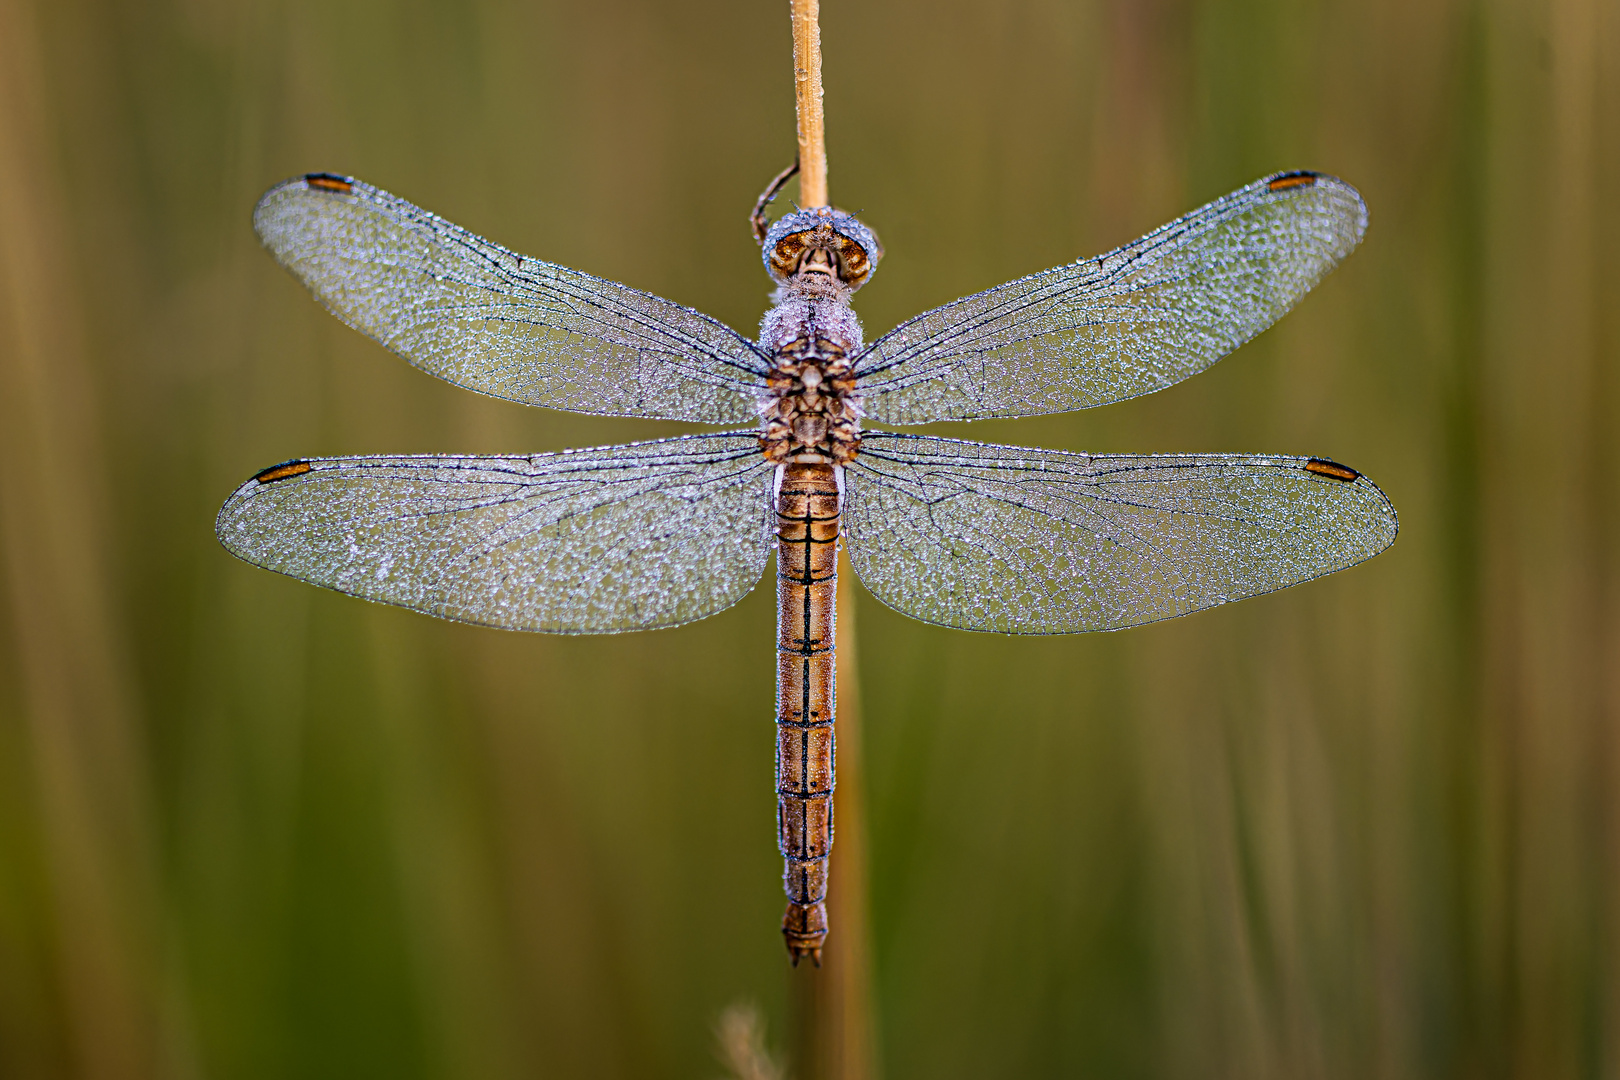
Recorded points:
786,254
852,261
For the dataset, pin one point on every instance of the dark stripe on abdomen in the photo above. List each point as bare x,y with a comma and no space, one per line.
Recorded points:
806,592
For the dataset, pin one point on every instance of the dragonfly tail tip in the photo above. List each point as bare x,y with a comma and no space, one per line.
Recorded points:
804,929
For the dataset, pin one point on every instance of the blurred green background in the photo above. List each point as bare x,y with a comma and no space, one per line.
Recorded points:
1366,827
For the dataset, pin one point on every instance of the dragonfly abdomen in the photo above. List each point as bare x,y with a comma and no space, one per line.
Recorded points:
806,591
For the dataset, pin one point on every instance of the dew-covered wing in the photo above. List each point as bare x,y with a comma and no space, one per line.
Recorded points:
1127,323
587,541
1024,541
464,309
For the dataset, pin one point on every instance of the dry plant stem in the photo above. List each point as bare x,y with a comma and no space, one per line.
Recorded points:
833,1033
848,979
807,96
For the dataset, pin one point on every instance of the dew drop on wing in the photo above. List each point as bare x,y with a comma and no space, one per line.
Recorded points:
1170,534
1127,323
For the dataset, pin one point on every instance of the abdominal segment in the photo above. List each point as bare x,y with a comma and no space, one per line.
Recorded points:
806,590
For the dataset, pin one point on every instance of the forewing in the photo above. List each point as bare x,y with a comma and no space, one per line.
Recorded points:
1127,323
1024,541
587,541
464,309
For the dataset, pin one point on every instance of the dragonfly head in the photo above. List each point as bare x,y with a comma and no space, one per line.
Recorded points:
824,242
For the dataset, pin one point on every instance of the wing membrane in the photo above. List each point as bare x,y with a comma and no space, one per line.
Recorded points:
1024,541
472,312
1127,323
588,541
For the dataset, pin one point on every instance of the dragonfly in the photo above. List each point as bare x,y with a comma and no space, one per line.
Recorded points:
970,535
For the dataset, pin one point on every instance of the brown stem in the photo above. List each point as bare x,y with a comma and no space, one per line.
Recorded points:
832,1027
832,1004
807,96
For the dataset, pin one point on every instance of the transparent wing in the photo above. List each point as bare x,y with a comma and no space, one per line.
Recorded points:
587,541
1024,541
464,309
1127,323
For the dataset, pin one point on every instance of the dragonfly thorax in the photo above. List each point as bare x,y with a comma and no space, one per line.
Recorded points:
811,410
811,407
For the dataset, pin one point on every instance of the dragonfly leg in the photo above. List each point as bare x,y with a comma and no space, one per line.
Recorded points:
757,218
